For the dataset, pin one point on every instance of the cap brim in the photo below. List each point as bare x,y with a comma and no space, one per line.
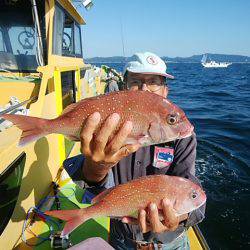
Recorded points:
150,73
169,76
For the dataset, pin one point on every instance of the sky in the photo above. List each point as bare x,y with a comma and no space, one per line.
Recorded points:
167,28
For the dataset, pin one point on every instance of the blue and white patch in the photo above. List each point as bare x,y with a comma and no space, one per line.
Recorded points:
163,157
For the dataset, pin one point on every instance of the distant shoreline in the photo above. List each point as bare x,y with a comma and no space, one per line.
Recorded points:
165,61
191,59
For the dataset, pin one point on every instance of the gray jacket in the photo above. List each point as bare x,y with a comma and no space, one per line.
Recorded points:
140,164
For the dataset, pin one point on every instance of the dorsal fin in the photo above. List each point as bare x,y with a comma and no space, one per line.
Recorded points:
101,195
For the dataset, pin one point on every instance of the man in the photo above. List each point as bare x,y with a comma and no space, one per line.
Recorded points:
112,84
106,165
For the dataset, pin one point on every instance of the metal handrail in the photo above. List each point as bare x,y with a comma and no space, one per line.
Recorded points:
17,106
201,238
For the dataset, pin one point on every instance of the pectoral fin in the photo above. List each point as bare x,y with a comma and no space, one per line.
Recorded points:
155,131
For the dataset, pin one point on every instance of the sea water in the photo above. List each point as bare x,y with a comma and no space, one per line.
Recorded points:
217,101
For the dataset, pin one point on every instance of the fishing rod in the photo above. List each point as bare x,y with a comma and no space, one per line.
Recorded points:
122,38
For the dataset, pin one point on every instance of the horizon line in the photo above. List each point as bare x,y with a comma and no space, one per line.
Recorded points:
175,56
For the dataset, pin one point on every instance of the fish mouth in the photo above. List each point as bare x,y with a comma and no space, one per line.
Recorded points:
186,133
202,203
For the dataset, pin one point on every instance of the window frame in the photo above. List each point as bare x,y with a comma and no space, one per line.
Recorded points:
75,26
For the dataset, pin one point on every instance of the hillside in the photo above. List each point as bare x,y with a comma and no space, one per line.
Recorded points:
191,59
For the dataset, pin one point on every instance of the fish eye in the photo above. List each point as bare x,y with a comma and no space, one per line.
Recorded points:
172,119
194,194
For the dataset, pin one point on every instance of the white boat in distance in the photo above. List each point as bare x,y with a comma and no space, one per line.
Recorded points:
213,64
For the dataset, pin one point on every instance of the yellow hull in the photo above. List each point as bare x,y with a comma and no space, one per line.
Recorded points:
42,159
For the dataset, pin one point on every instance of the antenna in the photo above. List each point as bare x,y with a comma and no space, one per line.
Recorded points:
123,47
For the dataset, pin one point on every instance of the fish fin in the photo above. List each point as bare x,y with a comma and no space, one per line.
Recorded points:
101,195
141,139
69,108
72,224
73,218
155,131
130,141
32,127
63,214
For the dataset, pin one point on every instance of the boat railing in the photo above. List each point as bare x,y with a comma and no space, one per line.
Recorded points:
201,238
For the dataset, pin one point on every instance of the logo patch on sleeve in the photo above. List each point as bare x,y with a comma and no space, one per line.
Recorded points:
163,157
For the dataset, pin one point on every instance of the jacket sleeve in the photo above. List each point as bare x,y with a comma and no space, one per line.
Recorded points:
73,167
184,166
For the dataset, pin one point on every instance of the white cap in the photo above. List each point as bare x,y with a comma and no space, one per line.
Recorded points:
147,63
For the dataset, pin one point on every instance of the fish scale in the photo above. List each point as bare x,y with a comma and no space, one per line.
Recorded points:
149,113
127,199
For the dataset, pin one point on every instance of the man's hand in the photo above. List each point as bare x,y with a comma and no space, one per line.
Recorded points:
102,153
152,222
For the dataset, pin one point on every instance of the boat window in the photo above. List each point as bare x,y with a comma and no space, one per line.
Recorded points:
69,97
58,30
78,43
10,183
67,34
18,39
2,43
68,88
68,37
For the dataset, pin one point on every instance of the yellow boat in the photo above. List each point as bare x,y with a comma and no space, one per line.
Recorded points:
41,72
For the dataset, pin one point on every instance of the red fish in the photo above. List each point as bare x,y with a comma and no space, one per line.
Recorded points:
155,119
126,199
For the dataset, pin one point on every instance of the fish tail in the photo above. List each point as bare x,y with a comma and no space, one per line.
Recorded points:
33,128
73,218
